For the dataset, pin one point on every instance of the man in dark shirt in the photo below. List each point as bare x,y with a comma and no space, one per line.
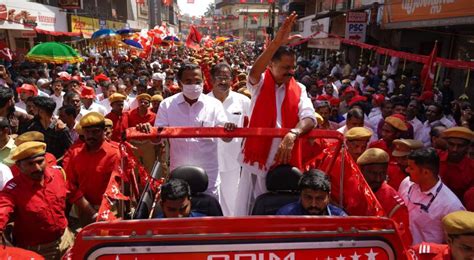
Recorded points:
315,189
176,200
56,133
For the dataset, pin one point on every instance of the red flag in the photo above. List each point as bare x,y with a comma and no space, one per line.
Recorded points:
255,18
190,1
194,38
5,52
358,198
168,2
126,175
429,70
243,1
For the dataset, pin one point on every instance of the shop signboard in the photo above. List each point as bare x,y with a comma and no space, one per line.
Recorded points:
325,43
356,25
427,13
70,4
19,15
85,25
115,25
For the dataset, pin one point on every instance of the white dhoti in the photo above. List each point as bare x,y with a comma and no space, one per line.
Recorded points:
228,190
250,187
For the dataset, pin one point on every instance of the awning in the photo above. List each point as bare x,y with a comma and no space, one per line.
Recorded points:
71,34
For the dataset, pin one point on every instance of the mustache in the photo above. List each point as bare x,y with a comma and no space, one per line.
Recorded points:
37,173
289,75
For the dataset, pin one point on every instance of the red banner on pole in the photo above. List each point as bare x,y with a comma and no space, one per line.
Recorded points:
194,38
429,70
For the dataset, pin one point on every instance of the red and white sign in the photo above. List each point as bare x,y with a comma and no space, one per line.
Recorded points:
22,15
356,25
267,251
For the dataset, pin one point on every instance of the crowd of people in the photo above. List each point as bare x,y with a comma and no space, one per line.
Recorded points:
60,128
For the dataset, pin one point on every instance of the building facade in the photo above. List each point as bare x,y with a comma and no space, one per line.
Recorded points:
248,21
405,25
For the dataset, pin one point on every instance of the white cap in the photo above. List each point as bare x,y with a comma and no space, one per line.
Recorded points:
155,63
64,74
158,76
41,82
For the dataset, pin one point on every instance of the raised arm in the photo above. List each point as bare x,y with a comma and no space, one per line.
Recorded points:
282,37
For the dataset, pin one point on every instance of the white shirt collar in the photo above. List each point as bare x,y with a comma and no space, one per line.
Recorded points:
433,189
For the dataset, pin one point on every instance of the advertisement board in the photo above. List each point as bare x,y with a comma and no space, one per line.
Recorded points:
356,25
416,13
310,27
19,15
85,25
70,4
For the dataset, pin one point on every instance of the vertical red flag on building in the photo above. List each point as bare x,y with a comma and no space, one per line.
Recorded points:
194,38
429,70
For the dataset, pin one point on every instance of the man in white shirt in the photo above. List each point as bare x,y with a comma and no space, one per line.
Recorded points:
58,94
412,111
88,103
392,67
237,108
375,114
111,89
434,116
191,108
5,175
428,199
278,101
25,91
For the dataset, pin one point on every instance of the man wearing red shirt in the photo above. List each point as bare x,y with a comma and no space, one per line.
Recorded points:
89,166
456,168
397,168
119,119
36,201
49,158
142,114
459,228
373,164
393,127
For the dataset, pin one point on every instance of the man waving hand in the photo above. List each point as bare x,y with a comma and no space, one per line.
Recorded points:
278,101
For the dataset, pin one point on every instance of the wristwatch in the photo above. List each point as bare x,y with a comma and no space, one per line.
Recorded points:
295,131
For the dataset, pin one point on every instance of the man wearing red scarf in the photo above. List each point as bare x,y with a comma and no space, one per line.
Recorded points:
278,101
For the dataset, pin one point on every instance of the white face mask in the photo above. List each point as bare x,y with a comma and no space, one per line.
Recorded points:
192,91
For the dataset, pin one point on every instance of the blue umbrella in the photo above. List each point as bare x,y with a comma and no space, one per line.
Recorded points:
171,39
125,31
133,44
103,33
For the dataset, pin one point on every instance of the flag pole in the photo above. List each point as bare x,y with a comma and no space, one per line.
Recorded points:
341,179
430,62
